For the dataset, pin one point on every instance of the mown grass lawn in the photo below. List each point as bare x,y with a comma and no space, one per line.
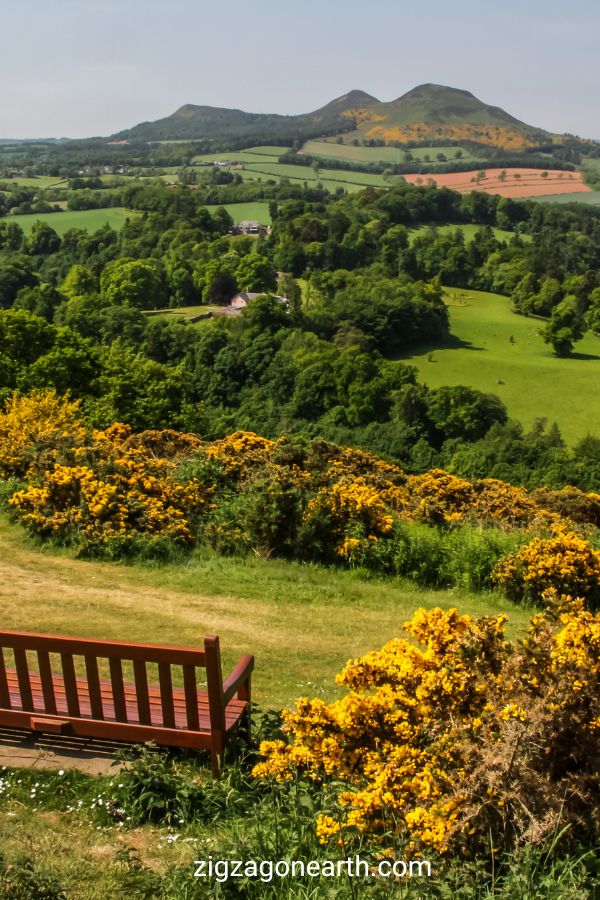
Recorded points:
524,372
302,622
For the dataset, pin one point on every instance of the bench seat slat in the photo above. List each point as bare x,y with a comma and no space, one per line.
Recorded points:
233,712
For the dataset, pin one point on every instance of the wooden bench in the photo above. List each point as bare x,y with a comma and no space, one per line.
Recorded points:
42,691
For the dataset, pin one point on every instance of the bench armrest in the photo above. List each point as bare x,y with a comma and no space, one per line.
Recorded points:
238,678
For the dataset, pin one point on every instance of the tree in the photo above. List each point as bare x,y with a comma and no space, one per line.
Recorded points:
137,282
80,282
221,289
255,273
43,240
566,326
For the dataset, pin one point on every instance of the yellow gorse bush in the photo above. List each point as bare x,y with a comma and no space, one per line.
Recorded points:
122,493
437,497
438,738
39,419
565,562
304,499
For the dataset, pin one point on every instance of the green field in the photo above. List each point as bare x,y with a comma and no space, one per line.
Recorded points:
380,154
307,173
535,383
88,219
246,212
328,184
469,232
40,181
591,197
252,154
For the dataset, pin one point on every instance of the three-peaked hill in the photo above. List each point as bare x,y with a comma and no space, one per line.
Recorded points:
427,112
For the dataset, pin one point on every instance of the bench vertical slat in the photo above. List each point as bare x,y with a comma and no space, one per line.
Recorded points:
166,695
216,701
93,681
141,691
191,697
4,691
47,681
68,668
118,689
23,679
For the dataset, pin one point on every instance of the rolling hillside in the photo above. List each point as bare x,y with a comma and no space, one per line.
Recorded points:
433,111
192,122
428,111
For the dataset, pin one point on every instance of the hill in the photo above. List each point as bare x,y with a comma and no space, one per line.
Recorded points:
192,122
436,112
427,112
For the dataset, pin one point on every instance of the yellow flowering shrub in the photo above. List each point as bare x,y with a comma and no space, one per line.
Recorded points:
349,509
497,503
32,424
570,503
437,498
437,738
565,562
240,451
116,494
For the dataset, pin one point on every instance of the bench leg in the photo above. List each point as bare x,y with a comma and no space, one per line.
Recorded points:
216,753
245,693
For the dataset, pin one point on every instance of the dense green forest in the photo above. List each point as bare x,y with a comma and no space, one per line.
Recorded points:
78,314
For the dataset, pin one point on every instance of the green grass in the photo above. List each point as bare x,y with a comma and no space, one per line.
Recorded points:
246,212
40,181
301,621
88,219
591,197
536,383
332,150
307,173
252,154
330,185
234,156
469,232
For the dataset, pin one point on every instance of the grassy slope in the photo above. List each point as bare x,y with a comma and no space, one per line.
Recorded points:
592,197
257,606
536,383
307,173
90,219
246,212
334,150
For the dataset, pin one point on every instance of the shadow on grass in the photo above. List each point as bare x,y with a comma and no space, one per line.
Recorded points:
452,342
584,356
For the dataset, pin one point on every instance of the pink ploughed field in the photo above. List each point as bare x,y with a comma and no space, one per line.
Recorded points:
530,182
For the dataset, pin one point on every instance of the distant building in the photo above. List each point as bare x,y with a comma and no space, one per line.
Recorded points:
241,300
248,228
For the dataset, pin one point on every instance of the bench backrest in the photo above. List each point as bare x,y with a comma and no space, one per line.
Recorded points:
116,653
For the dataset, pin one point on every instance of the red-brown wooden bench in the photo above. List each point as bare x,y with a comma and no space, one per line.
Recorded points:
43,692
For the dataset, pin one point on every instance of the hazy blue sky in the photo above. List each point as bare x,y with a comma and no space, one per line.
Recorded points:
88,67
